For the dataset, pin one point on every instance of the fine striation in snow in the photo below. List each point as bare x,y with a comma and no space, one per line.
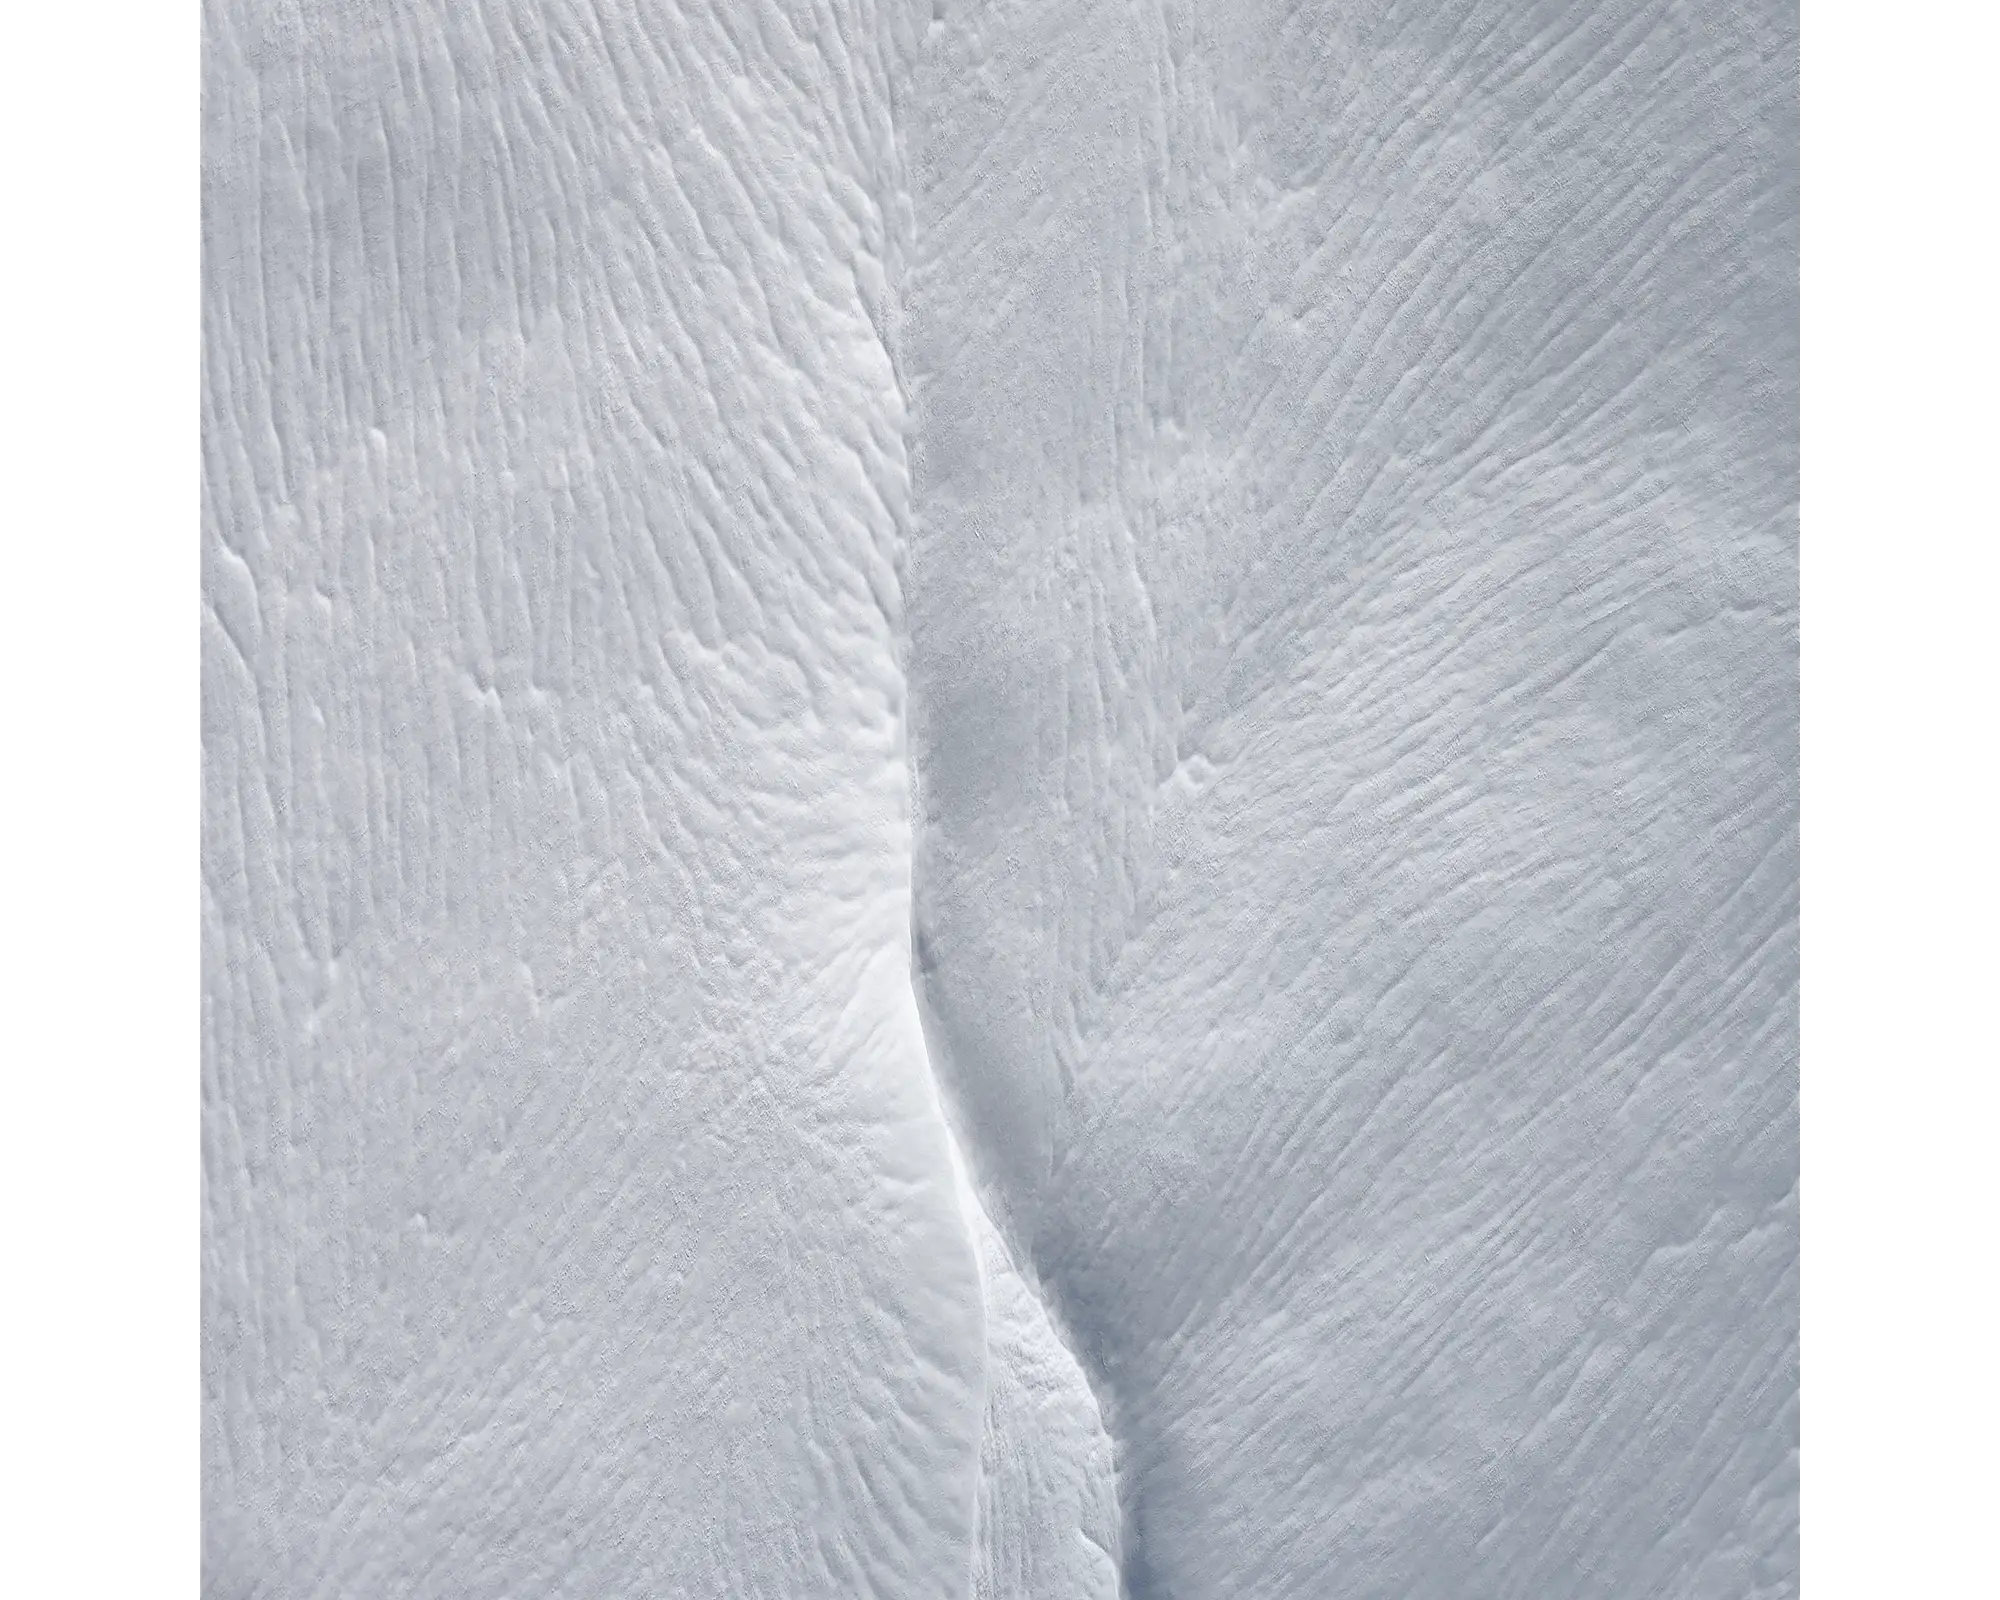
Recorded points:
1352,604
1048,1513
579,1220
1000,799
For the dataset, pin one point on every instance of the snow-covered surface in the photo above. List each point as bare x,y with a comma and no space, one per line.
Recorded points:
1000,799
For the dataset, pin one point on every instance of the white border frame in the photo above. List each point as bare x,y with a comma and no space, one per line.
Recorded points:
1899,595
99,658
100,799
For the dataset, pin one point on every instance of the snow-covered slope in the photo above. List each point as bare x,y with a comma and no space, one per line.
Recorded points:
1354,681
579,1218
1277,521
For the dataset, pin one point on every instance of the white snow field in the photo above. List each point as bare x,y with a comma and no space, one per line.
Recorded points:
1000,799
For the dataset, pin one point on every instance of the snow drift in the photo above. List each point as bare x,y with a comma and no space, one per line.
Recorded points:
1000,800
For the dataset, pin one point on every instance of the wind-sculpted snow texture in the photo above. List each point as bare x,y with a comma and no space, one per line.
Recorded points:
1353,640
1321,481
579,1214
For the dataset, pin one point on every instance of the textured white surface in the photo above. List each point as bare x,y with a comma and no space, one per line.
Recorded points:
579,1219
1352,602
1322,481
